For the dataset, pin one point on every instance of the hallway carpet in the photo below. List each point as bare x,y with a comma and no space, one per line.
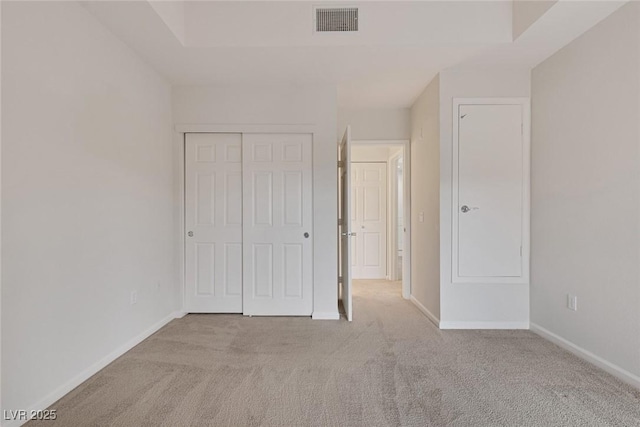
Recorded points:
389,367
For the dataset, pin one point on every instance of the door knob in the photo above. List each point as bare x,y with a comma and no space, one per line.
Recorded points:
306,235
466,209
190,234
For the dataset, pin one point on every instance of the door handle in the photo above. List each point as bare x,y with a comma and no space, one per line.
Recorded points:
348,234
190,234
466,208
306,235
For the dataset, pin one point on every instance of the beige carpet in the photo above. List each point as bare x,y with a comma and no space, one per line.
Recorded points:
389,367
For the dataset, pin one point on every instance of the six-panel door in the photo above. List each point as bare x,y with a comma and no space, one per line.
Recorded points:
369,220
213,220
248,217
277,224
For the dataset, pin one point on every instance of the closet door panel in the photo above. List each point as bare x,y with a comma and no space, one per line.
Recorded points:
213,223
277,224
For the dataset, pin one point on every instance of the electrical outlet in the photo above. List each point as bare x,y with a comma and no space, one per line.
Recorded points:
572,302
134,297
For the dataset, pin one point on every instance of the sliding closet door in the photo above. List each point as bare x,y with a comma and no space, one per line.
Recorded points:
213,219
277,224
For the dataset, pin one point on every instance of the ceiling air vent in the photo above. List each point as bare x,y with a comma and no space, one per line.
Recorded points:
336,19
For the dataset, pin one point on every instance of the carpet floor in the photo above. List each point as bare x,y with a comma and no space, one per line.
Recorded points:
389,367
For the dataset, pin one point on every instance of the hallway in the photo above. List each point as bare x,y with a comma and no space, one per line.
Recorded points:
390,366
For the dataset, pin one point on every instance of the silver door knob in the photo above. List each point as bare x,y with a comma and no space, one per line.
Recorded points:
190,234
466,209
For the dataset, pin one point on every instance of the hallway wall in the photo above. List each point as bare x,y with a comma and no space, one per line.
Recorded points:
425,198
391,123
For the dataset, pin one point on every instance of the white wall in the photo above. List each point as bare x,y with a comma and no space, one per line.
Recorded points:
425,198
586,190
285,105
526,12
86,199
372,124
371,153
488,304
0,206
172,13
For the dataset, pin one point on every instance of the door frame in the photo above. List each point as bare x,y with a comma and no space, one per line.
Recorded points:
392,215
406,174
526,186
179,147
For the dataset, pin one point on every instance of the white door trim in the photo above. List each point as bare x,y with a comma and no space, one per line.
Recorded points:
526,184
406,250
243,128
179,175
392,214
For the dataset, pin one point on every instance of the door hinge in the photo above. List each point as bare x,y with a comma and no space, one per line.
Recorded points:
339,221
340,163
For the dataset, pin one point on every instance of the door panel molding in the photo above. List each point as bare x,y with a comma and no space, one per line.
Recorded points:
277,224
370,222
524,103
211,234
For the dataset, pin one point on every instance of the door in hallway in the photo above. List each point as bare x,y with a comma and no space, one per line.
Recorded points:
213,220
369,220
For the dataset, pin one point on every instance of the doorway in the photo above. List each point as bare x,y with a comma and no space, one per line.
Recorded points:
378,222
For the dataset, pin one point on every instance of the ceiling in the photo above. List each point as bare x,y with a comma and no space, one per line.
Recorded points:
399,48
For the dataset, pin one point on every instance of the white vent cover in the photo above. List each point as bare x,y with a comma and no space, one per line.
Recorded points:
336,19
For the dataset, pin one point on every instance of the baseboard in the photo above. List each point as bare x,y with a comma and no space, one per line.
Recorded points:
179,314
58,393
425,311
483,325
325,316
605,365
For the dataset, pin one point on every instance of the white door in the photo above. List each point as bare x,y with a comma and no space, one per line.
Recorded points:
345,228
213,219
277,224
490,191
369,220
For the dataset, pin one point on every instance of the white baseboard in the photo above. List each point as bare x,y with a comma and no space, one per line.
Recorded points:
179,314
425,311
596,360
65,388
325,316
483,325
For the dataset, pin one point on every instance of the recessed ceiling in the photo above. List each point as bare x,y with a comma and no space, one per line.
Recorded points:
398,48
